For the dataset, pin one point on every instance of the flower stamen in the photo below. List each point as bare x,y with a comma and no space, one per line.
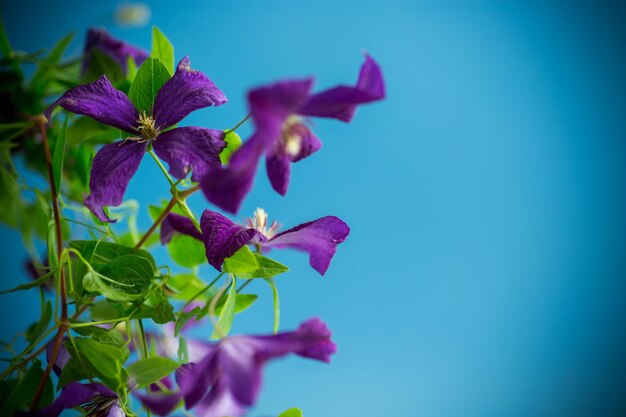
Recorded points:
258,221
147,127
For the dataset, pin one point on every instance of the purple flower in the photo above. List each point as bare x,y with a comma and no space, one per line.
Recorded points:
222,237
282,134
95,399
226,381
183,148
119,51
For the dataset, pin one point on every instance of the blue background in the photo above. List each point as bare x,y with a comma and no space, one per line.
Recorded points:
485,271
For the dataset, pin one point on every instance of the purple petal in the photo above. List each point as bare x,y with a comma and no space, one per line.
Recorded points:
309,143
319,238
188,90
279,99
175,223
112,168
62,359
218,403
159,403
240,368
190,148
116,49
73,395
340,102
222,238
278,167
100,101
194,379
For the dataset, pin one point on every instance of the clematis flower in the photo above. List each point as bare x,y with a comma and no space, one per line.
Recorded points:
279,112
226,381
222,237
119,51
183,148
95,399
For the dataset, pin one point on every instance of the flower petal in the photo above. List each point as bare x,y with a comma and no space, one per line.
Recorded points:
218,403
73,395
112,168
222,237
319,238
175,223
100,101
279,99
340,102
241,368
194,379
188,90
62,359
114,48
190,148
159,403
278,167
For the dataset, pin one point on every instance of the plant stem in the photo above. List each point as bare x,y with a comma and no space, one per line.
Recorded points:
41,123
241,122
161,167
202,291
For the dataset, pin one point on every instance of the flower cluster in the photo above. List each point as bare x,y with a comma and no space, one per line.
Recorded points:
132,102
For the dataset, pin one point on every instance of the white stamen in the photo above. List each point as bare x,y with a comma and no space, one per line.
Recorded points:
259,222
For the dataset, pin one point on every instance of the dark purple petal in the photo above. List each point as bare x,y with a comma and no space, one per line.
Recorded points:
73,395
63,356
159,403
241,369
278,100
175,223
319,238
119,51
278,167
340,102
311,340
190,148
309,143
218,403
194,379
112,168
100,101
222,238
188,90
227,187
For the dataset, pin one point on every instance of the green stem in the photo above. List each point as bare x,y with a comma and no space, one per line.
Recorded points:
202,291
162,167
241,122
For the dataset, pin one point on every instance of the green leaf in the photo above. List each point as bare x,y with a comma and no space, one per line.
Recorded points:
242,303
186,251
45,69
233,142
183,354
241,262
187,286
184,317
267,268
149,370
32,284
131,69
99,254
162,49
292,412
24,391
57,156
272,284
225,320
129,277
9,196
106,358
163,312
102,64
149,79
73,371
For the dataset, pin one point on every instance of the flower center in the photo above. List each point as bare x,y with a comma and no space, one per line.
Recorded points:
147,127
291,136
259,222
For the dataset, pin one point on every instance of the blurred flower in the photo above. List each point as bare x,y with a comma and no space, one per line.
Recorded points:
226,381
133,14
282,134
94,399
222,237
119,51
183,148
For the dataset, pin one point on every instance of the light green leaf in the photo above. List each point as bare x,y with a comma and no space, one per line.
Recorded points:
186,251
107,359
292,412
187,286
99,253
241,262
267,268
149,370
57,156
149,79
272,284
233,142
184,318
242,303
131,69
183,353
225,320
162,49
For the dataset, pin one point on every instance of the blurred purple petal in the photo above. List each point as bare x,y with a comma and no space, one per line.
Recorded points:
159,403
278,167
112,168
62,359
188,90
222,238
190,148
75,394
119,51
175,223
194,379
278,100
340,102
319,238
100,101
